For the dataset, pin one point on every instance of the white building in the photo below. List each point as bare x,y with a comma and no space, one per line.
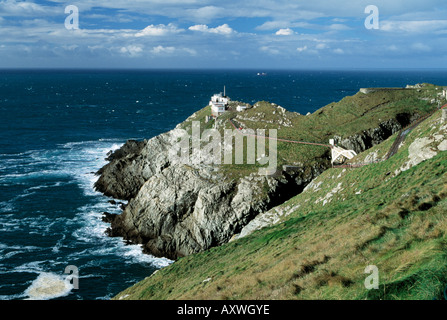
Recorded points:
339,154
241,108
219,103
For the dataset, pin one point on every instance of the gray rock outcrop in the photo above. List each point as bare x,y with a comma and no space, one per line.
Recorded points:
373,136
182,209
175,209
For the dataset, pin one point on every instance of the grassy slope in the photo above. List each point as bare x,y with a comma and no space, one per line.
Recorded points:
349,116
321,249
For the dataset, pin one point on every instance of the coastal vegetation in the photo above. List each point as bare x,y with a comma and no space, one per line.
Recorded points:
343,119
378,215
306,233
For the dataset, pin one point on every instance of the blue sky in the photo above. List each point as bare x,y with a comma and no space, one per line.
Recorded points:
260,34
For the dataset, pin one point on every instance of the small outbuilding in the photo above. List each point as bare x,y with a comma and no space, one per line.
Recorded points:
241,108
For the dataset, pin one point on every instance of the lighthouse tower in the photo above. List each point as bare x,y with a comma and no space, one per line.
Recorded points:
218,103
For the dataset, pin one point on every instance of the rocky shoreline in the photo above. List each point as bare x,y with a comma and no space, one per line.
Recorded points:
175,210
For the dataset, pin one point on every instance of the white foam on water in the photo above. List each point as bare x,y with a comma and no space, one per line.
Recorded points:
72,162
48,286
93,231
93,228
6,206
84,159
6,252
39,224
31,267
16,177
58,245
133,252
15,247
45,186
12,297
8,224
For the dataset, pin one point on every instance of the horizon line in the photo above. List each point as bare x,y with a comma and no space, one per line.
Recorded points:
211,69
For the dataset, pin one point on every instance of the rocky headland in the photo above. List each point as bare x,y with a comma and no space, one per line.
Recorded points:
175,209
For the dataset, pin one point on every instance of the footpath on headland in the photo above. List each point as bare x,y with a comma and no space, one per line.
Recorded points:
392,151
278,139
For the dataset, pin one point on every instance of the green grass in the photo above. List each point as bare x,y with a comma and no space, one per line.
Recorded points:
320,251
345,118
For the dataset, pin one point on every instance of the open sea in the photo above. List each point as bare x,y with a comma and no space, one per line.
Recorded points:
56,128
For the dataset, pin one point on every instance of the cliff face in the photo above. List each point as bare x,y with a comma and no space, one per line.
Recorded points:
175,209
184,210
373,136
358,142
132,165
319,242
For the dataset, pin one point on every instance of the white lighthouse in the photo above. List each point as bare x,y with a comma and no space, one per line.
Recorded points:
219,103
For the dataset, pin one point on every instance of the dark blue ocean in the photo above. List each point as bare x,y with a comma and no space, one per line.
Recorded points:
56,128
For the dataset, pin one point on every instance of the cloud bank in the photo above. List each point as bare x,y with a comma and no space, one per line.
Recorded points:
211,33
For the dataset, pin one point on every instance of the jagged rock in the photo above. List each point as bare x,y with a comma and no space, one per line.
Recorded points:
175,209
265,219
425,148
371,137
133,164
177,212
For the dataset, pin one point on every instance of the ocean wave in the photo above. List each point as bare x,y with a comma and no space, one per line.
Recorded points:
20,178
79,235
12,296
6,206
31,267
84,159
93,228
133,253
7,251
93,232
99,143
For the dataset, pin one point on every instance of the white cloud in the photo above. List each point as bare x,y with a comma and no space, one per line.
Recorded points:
283,24
191,52
339,27
199,27
321,46
205,14
224,29
278,10
284,32
406,31
96,47
269,50
70,47
421,47
159,30
163,50
169,50
421,26
270,25
308,50
25,8
131,50
392,48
